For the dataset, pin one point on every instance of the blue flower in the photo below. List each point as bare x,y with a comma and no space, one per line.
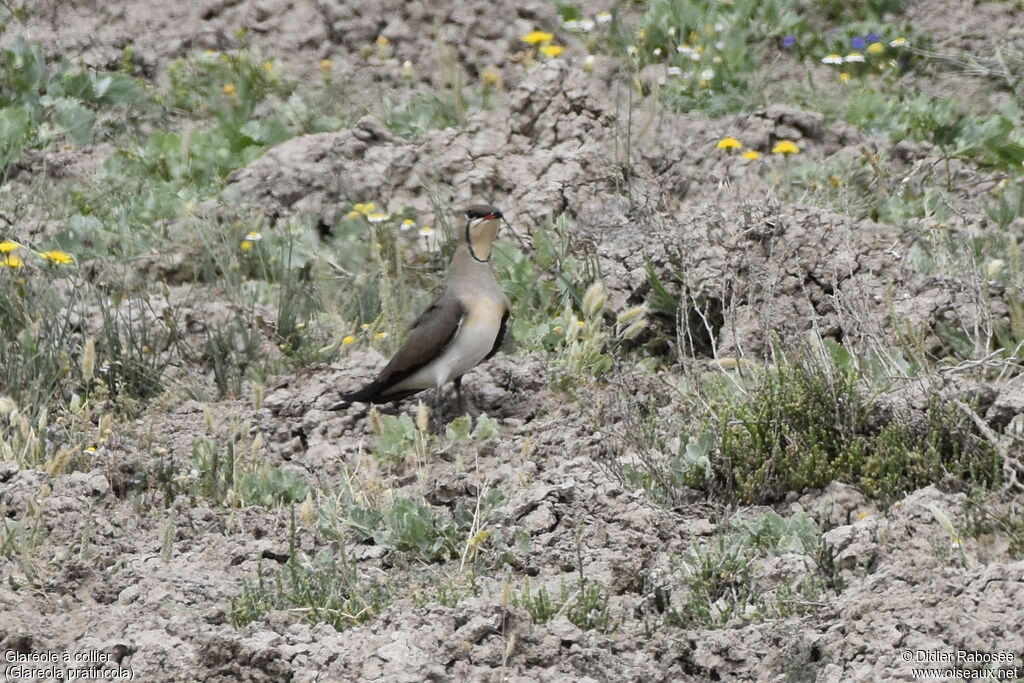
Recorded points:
873,37
789,41
858,42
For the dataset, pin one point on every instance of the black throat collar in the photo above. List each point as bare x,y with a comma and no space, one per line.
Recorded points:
469,243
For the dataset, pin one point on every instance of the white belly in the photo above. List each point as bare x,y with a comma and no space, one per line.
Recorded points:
473,341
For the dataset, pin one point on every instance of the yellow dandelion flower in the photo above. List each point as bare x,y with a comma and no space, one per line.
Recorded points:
11,261
844,77
551,50
246,245
229,89
380,336
56,257
365,209
537,37
491,79
382,41
348,340
729,143
325,69
7,246
751,154
352,215
876,49
785,147
365,326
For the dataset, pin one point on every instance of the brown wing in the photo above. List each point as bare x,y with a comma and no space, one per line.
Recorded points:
428,336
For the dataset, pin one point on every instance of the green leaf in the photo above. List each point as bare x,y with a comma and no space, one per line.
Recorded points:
76,121
486,428
962,345
14,129
266,132
397,435
458,429
78,86
117,88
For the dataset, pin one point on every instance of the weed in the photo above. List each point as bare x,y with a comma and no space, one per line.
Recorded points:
586,606
692,323
428,111
321,589
986,518
42,104
1009,206
541,284
991,140
408,526
224,476
716,576
807,422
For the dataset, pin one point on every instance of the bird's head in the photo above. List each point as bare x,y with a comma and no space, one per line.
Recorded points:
481,230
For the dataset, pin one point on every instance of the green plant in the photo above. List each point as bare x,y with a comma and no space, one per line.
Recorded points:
232,349
220,474
713,49
42,103
586,606
428,111
1009,206
690,322
409,526
809,421
135,345
992,140
323,588
714,580
541,283
987,518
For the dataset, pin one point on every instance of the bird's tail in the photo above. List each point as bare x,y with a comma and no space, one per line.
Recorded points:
372,393
364,395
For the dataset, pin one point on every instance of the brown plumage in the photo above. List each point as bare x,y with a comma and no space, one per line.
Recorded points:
463,327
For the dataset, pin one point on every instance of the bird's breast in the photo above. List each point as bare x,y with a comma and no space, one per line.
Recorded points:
474,339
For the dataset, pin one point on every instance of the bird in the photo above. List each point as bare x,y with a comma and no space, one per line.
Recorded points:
463,327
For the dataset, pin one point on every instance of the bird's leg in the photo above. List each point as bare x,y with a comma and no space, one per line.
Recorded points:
438,404
458,395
